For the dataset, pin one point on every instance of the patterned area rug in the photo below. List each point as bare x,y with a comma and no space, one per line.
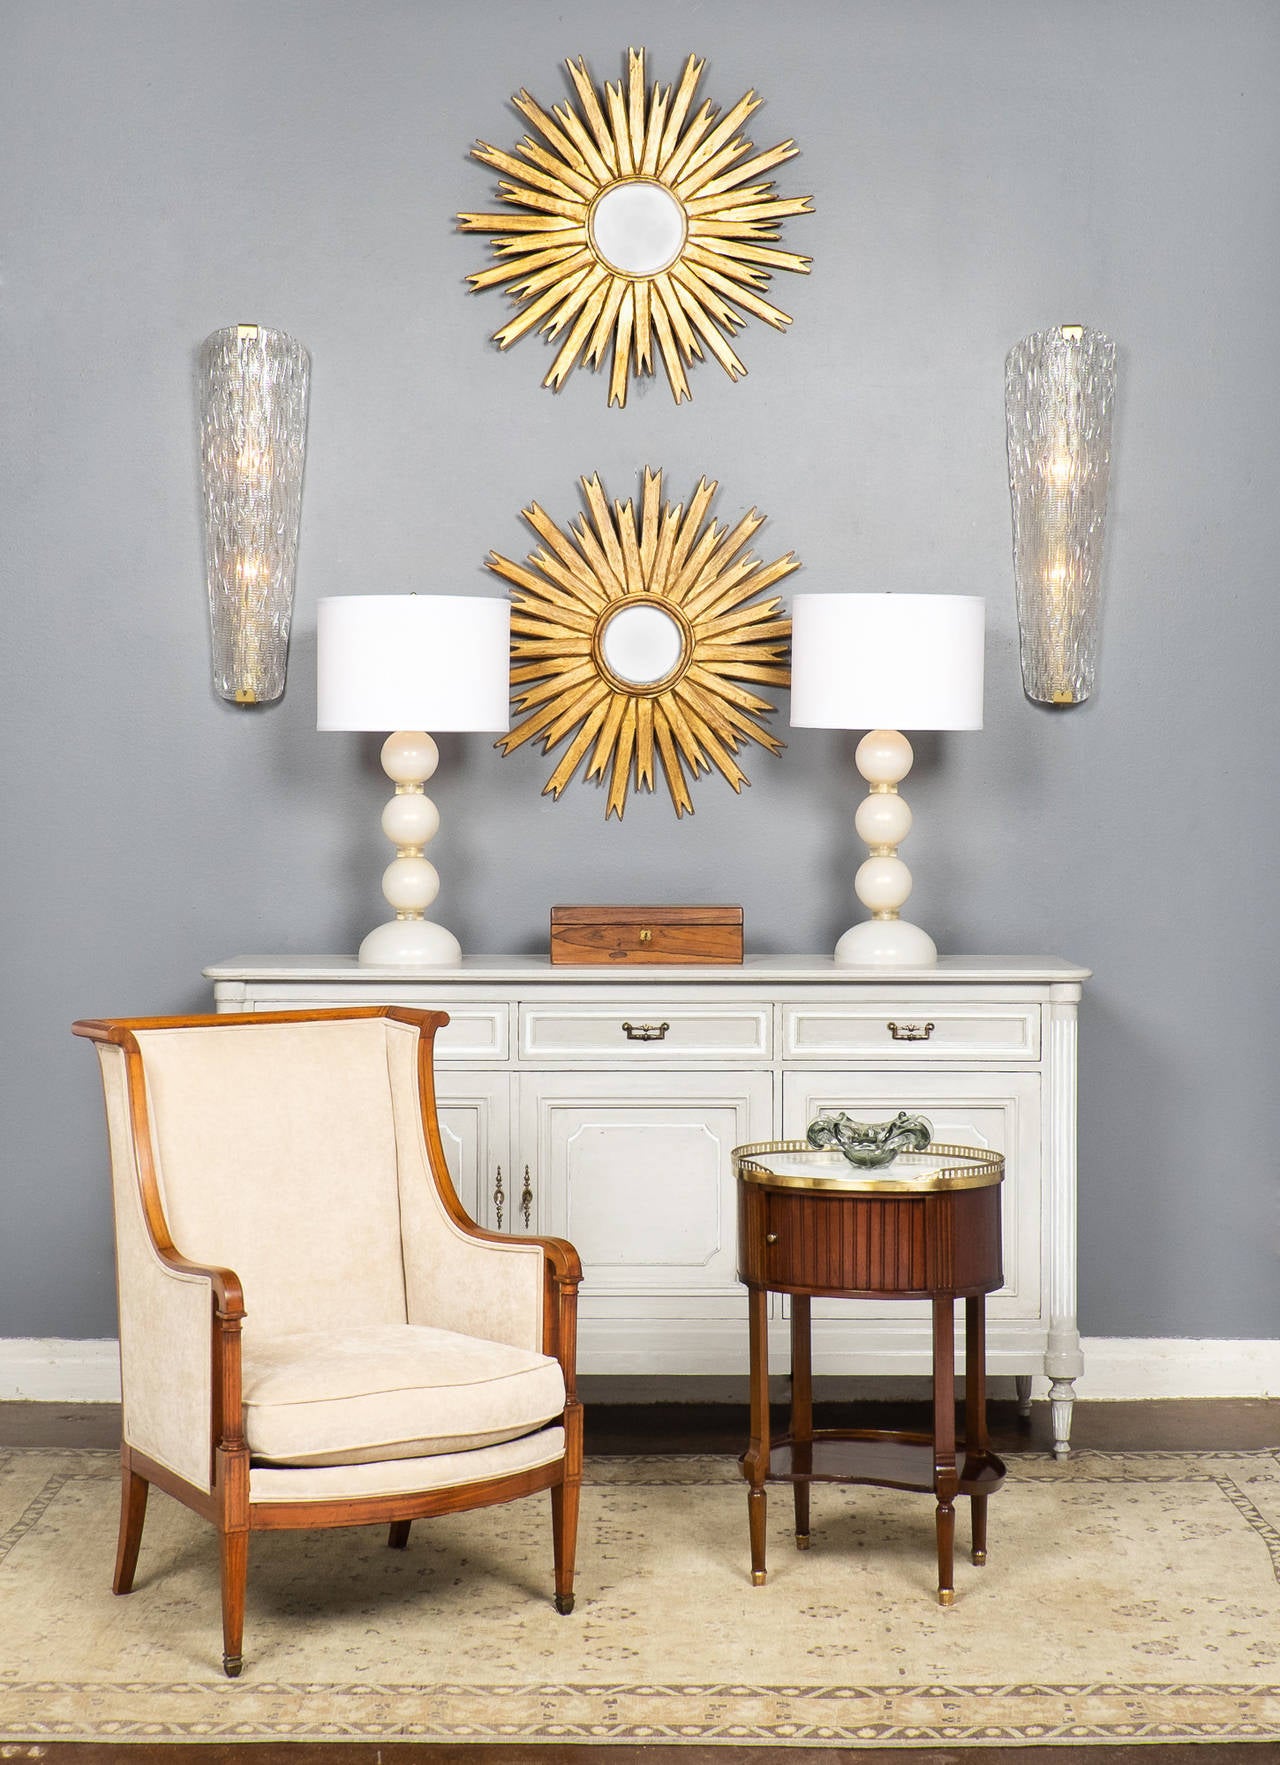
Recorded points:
1129,1596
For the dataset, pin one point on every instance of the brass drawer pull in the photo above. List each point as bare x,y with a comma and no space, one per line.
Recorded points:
526,1198
910,1032
646,1032
771,1237
499,1197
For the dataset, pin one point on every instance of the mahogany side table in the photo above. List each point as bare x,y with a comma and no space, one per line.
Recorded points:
925,1227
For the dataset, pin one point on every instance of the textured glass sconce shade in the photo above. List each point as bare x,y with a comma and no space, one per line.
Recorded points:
253,387
1059,389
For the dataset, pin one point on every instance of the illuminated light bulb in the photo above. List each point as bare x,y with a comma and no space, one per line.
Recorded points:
254,461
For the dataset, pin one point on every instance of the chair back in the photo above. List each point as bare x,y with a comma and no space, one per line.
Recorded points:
275,1156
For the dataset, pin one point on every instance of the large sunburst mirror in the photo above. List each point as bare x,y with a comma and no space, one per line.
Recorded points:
638,223
633,633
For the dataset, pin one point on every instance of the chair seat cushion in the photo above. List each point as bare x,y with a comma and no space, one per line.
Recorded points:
390,1391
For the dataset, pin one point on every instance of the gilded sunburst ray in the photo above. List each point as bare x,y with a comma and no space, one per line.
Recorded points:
640,220
634,632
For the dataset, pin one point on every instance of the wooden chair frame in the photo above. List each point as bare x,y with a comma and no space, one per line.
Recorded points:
227,1504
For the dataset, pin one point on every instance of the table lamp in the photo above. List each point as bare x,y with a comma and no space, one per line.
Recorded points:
886,663
409,663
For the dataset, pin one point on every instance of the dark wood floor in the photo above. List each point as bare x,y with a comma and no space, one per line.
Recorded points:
619,1427
614,1427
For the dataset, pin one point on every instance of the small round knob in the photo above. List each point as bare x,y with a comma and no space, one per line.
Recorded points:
771,1237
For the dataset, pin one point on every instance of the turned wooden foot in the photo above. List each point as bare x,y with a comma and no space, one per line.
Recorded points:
757,1503
978,1504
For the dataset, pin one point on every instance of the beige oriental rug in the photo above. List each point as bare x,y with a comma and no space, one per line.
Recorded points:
1128,1597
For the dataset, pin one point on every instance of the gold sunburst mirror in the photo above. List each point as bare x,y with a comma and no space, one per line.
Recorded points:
637,223
633,633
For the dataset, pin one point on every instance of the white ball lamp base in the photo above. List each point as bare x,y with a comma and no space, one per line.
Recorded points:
883,882
410,882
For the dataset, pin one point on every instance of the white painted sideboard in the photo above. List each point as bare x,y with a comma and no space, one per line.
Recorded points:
601,1104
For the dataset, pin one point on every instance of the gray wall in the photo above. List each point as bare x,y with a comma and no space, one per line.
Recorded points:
980,170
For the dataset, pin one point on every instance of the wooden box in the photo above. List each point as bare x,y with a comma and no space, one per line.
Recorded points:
655,935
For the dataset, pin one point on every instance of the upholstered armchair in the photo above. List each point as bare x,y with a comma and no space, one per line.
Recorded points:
312,1330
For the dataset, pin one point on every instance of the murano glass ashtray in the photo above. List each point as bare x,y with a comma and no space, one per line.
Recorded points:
869,1145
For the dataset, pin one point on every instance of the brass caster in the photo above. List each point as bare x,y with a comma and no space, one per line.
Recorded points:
802,1541
757,1578
564,1604
231,1665
946,1596
979,1558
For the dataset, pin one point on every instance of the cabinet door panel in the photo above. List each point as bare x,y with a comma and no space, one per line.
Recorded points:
999,1110
475,1126
636,1172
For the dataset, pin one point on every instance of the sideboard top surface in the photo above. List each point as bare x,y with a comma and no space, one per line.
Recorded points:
754,971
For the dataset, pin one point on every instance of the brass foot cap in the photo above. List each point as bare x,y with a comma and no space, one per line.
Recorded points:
231,1665
979,1557
564,1604
946,1596
802,1541
757,1578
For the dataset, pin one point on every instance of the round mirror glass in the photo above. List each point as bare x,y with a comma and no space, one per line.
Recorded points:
638,227
641,645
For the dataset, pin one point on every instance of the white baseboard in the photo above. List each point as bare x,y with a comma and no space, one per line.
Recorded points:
54,1370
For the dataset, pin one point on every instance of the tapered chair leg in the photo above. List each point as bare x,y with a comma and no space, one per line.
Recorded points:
133,1511
564,1539
234,1548
565,1498
398,1534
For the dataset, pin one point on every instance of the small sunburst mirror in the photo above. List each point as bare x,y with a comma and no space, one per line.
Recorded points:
634,635
637,224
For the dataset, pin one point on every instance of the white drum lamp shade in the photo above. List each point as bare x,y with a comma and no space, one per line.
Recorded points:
886,663
411,664
413,661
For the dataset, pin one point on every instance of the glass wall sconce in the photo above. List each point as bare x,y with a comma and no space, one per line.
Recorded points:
253,388
1059,389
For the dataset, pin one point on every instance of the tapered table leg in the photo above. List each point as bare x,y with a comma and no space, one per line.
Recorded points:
945,1476
801,1411
975,1408
756,1461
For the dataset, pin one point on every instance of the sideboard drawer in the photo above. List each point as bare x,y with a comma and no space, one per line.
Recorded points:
472,1033
890,1029
475,1032
651,1030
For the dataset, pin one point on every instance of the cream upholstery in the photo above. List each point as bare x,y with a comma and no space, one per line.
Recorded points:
166,1397
391,1392
453,1470
276,1157
479,1287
